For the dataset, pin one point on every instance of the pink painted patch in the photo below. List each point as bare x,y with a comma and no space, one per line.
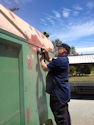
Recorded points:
30,28
35,41
28,115
11,15
38,33
42,36
33,48
30,59
51,50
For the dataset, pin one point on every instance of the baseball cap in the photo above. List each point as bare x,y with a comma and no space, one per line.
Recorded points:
66,46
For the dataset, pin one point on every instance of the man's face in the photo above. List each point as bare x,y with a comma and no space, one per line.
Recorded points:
61,51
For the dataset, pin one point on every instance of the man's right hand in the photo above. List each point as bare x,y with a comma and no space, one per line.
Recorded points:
48,57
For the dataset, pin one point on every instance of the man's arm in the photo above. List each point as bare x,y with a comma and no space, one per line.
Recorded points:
43,64
48,57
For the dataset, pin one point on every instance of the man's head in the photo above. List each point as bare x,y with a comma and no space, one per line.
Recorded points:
63,49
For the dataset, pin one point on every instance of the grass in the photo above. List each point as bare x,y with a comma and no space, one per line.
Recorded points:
88,78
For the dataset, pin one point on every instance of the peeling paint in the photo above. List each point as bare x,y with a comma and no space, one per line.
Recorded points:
30,59
42,36
35,40
23,29
33,48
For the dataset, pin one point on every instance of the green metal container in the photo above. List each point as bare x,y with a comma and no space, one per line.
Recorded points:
23,100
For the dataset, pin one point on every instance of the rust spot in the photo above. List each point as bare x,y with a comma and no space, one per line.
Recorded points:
11,15
28,115
25,89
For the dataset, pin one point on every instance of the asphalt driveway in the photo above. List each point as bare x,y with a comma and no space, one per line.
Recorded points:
82,112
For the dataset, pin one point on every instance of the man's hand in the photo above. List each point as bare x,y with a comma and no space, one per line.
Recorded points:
48,57
43,64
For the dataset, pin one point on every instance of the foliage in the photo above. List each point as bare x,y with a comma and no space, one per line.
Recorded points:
14,9
58,42
81,69
55,43
73,51
72,70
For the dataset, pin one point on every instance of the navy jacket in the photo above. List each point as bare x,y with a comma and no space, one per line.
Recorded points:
57,78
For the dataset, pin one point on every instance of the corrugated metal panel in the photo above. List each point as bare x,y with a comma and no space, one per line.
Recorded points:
81,59
12,23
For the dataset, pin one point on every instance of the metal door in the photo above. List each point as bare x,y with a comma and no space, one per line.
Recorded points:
9,85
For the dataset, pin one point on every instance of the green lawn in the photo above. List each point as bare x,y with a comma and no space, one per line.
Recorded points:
88,78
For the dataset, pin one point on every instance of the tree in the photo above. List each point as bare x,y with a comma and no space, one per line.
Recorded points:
79,69
72,70
87,69
73,51
83,69
14,9
56,42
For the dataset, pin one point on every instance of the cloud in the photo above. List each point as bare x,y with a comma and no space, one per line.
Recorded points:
42,20
66,12
15,2
8,2
57,14
77,7
75,32
85,50
81,30
22,1
75,13
90,5
50,20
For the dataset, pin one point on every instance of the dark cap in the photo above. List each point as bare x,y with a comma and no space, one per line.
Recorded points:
64,45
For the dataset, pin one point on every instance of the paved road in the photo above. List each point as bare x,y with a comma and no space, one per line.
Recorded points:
82,112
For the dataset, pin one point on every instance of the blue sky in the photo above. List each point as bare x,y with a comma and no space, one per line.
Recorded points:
72,21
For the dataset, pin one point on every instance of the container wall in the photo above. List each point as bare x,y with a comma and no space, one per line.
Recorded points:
29,84
37,109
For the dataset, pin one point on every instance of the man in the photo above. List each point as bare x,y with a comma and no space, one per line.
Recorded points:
57,84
